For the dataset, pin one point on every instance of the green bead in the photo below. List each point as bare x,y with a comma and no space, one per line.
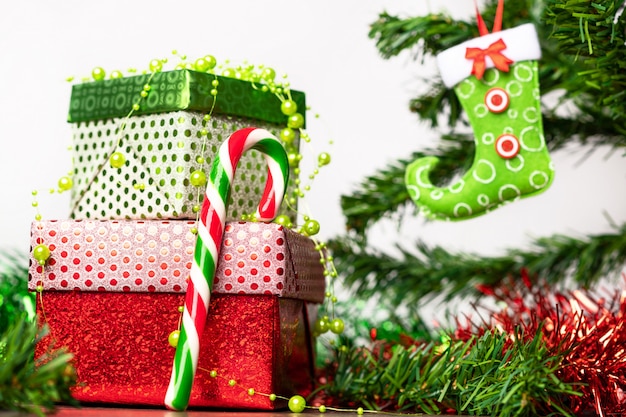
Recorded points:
288,107
321,326
268,74
283,220
323,159
156,65
232,382
322,408
359,411
211,61
116,74
229,72
311,227
172,339
294,159
117,160
201,65
213,374
251,391
297,404
41,253
288,135
98,73
272,397
197,178
295,121
337,326
65,183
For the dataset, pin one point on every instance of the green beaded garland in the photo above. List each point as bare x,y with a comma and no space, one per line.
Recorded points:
294,159
65,183
321,326
156,65
268,74
201,65
295,121
288,135
211,61
197,178
336,326
311,227
297,404
288,107
283,220
117,160
173,337
98,73
323,159
41,253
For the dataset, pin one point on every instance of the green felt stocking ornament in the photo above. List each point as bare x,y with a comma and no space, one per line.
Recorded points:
496,79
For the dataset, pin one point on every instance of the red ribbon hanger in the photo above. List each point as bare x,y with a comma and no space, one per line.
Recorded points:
497,23
494,51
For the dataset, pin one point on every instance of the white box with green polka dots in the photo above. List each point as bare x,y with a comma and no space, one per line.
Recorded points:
163,142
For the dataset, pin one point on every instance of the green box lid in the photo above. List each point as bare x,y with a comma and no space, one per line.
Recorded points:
177,90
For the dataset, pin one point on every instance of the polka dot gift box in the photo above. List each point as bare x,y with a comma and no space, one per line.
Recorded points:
142,145
111,292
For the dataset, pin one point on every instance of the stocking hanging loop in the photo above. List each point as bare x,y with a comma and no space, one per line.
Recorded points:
497,23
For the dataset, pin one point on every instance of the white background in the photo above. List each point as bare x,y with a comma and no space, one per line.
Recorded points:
324,48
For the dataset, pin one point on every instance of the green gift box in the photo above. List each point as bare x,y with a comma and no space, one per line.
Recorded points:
164,141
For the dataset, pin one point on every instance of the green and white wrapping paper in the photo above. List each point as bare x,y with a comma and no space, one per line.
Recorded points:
162,142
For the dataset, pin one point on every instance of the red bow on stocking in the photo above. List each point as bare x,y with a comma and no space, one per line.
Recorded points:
494,52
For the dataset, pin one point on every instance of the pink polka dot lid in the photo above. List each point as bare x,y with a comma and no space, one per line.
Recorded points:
156,256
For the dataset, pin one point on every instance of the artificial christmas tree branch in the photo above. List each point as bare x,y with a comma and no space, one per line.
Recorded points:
26,384
426,272
593,32
481,376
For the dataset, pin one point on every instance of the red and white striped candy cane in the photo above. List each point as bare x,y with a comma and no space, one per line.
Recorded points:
209,241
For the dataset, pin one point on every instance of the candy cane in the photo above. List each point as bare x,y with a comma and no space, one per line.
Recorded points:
209,241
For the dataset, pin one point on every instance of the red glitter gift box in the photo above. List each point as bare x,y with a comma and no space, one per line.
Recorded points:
112,291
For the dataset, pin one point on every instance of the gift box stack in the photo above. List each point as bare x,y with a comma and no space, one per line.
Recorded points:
113,285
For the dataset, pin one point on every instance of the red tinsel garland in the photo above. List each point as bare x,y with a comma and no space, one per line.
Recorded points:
588,328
